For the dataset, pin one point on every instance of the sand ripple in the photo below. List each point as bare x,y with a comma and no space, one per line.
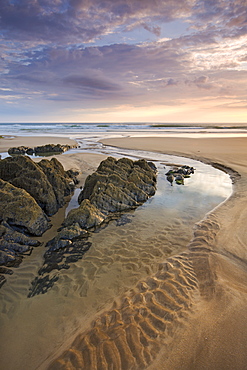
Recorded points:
130,335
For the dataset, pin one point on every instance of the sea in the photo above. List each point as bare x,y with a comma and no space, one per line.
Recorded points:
74,130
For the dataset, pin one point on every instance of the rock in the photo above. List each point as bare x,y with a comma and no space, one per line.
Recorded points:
116,186
119,185
179,179
13,245
86,216
73,173
179,174
39,150
7,257
23,173
30,151
17,150
52,148
13,236
46,181
170,178
58,178
65,236
19,209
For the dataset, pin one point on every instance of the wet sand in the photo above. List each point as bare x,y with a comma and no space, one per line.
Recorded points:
214,334
191,313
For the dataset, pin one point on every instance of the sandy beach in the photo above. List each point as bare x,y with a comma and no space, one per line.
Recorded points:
205,285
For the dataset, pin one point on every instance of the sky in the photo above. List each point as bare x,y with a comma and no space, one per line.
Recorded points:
170,61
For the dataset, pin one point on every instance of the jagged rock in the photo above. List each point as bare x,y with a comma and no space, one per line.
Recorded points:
179,174
65,236
13,245
86,216
39,150
23,173
118,185
13,236
52,148
58,178
20,210
30,151
46,181
7,256
73,173
18,150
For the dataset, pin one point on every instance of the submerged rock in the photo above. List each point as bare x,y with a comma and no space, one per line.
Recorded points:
179,174
13,245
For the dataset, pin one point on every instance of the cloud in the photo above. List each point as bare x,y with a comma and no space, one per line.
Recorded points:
45,55
155,29
91,83
82,21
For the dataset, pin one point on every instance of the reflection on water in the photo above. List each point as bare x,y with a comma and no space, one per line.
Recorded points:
122,253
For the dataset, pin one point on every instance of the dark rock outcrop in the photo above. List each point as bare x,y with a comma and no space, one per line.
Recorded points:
19,209
52,148
18,150
86,216
29,192
40,150
60,181
179,174
46,182
116,186
13,245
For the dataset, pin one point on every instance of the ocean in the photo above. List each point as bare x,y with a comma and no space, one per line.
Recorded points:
105,130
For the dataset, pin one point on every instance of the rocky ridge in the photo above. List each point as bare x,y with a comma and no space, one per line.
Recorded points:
116,186
29,193
40,150
46,181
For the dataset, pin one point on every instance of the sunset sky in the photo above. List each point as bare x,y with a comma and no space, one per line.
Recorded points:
164,61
